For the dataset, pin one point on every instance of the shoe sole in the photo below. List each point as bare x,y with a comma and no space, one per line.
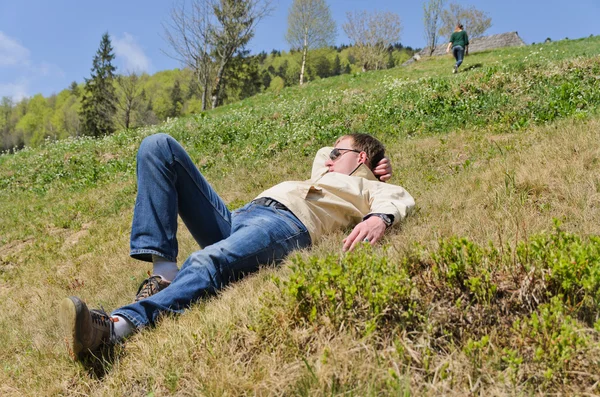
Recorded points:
69,310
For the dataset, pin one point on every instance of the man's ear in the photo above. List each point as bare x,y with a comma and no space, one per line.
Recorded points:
362,158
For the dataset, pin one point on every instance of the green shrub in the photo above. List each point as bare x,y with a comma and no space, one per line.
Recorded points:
554,337
465,266
359,290
570,266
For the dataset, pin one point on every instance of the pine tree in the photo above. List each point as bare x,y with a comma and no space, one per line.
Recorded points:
391,62
74,88
98,105
266,79
176,100
336,70
323,67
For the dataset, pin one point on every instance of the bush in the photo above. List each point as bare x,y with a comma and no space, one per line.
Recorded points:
570,266
359,290
553,338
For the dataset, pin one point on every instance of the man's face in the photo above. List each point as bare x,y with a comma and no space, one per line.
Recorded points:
348,160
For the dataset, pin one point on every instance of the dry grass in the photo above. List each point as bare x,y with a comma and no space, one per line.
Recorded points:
499,188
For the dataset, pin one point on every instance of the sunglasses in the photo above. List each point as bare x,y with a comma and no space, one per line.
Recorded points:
336,153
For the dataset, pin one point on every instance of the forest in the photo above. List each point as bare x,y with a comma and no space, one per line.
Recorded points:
143,99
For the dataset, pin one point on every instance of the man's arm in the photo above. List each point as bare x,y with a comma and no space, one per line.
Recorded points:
318,167
386,199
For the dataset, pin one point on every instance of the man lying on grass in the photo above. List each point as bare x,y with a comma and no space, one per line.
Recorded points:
343,191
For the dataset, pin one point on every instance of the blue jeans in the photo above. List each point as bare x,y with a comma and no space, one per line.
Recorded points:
234,244
459,53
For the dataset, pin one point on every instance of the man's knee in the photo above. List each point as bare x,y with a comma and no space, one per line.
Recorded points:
153,145
202,272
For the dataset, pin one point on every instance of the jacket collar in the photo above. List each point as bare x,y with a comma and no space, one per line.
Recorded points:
364,172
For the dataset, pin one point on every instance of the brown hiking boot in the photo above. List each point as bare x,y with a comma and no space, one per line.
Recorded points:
86,330
150,286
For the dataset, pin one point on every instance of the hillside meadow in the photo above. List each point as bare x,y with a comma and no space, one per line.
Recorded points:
491,286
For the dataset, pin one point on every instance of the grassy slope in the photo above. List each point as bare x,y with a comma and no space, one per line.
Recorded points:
492,154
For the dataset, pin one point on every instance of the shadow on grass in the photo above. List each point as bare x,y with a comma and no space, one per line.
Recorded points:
471,67
99,364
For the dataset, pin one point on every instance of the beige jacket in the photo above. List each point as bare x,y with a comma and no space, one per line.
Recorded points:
329,201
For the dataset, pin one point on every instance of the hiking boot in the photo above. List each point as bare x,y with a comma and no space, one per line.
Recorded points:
150,286
86,330
455,70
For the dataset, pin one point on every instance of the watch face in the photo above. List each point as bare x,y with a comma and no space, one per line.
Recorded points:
386,219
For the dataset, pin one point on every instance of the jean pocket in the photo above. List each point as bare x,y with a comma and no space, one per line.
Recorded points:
292,221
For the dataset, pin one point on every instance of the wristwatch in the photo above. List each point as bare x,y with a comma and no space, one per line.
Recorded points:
386,218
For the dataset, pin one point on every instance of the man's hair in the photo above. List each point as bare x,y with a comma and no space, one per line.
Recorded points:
368,144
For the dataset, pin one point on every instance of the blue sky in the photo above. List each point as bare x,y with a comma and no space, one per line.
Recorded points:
45,45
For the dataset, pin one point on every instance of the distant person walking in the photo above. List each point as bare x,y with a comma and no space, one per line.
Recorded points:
459,42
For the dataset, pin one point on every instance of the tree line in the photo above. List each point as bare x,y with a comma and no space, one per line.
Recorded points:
141,99
209,38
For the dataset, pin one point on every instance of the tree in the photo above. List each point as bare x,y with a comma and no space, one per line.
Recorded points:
432,15
65,120
310,26
130,91
189,36
474,21
265,79
336,69
98,105
176,100
282,70
372,34
74,88
6,127
146,115
391,62
33,127
323,67
242,78
236,21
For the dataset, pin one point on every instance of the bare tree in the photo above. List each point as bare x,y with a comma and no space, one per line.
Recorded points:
432,14
129,96
310,26
371,35
188,33
475,21
236,21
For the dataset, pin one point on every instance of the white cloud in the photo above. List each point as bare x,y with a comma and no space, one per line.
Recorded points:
19,73
133,57
46,69
16,91
11,52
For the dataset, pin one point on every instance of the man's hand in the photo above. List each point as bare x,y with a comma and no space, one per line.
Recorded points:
372,230
383,169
